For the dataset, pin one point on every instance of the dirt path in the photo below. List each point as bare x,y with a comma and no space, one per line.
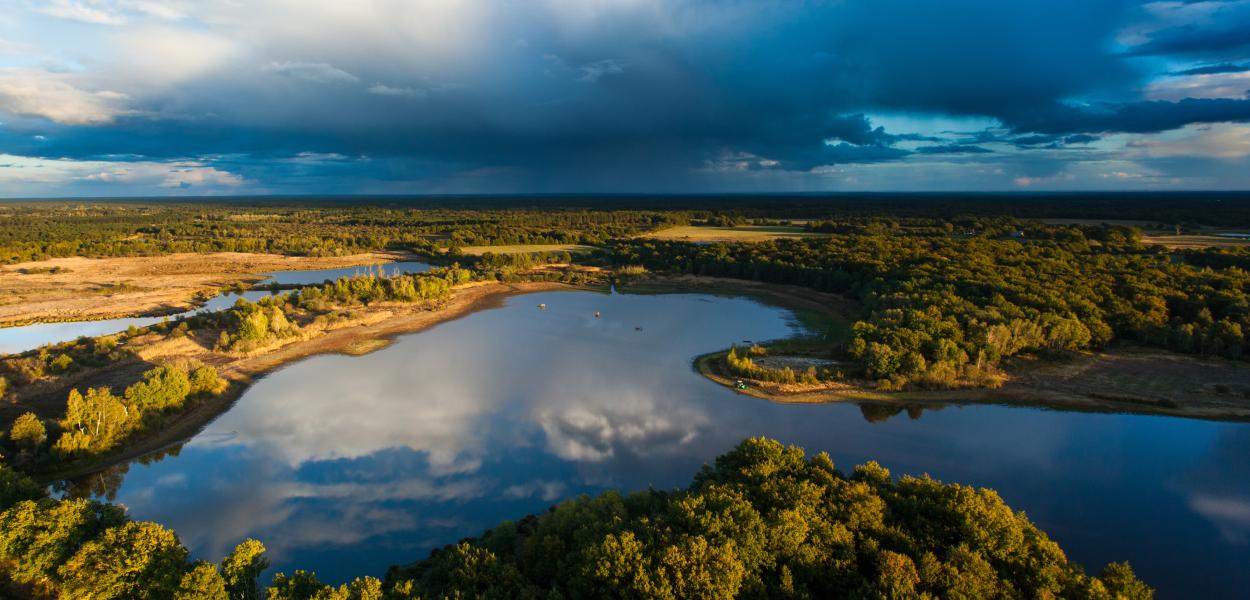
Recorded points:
81,289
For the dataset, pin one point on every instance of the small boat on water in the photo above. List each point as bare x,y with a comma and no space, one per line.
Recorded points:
596,314
542,307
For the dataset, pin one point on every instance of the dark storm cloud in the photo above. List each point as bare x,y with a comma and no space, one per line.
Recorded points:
1193,40
637,95
1213,69
953,149
980,57
1130,117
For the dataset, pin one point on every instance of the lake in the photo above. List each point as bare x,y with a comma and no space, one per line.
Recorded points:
28,337
345,465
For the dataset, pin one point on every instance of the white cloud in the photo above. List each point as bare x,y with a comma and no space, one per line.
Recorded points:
593,72
318,72
40,93
1221,140
12,48
163,55
1230,515
386,90
86,12
180,174
1213,85
22,175
165,9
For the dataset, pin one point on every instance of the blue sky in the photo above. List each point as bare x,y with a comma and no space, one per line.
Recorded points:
147,97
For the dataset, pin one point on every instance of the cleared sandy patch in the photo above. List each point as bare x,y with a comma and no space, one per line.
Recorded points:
76,289
525,248
1194,241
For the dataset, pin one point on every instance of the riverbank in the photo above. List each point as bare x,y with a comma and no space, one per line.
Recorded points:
1146,382
1124,380
370,329
89,289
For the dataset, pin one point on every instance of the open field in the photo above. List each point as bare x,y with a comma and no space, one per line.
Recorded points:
1193,240
744,233
77,289
523,248
1143,225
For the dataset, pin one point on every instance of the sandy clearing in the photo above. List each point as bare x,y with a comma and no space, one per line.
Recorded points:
102,288
525,248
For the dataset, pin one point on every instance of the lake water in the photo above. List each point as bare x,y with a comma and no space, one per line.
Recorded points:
29,337
345,465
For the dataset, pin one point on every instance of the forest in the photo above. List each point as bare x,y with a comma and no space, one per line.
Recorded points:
947,290
38,231
763,521
945,301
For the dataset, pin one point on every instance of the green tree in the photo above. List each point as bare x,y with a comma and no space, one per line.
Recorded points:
94,423
202,582
37,537
241,567
28,432
205,380
138,560
302,585
15,487
163,387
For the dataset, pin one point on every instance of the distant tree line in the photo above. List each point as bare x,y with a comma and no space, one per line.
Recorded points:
37,231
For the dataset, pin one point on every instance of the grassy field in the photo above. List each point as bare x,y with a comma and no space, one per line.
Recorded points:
1193,240
1144,225
744,233
479,250
75,289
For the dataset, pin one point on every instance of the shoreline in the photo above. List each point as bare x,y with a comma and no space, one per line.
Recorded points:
241,372
1016,397
396,320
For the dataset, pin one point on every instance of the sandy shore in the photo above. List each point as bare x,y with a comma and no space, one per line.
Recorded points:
83,289
1126,380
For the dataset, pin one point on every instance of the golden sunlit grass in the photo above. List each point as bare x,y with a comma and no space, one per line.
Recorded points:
1174,242
745,233
523,248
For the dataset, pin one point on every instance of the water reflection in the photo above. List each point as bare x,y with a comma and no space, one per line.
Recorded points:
344,464
876,412
28,337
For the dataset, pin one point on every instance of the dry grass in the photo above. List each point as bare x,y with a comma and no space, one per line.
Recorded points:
1145,225
363,347
98,288
525,248
745,233
1174,242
